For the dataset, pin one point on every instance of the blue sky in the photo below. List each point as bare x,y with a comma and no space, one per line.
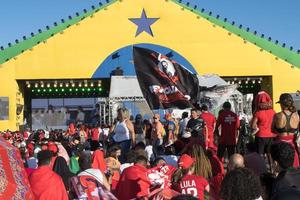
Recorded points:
277,19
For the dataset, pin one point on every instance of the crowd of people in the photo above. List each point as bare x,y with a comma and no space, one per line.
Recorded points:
196,157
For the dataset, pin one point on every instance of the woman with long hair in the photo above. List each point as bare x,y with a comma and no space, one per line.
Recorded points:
202,164
262,121
286,123
185,181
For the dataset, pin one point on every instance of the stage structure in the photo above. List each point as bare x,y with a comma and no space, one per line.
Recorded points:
89,45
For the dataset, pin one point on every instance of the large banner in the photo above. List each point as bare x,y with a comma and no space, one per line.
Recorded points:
164,83
215,96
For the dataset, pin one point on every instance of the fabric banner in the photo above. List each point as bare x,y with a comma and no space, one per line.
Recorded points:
215,96
164,83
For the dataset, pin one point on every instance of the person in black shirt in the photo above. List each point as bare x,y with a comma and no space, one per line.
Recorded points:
196,125
288,177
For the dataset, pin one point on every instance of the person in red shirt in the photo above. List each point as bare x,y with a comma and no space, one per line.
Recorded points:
134,182
229,123
184,180
210,122
262,120
45,183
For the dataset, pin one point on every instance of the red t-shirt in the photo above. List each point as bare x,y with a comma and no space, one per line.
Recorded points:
133,183
229,122
193,185
210,120
264,122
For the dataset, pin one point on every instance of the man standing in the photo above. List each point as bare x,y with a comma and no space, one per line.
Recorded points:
157,133
210,122
45,183
229,123
196,126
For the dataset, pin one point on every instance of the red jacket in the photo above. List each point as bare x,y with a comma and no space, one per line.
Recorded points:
133,183
47,185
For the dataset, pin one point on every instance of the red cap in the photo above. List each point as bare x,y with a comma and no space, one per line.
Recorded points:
53,148
185,161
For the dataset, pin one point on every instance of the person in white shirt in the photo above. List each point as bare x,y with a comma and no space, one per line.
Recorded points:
183,122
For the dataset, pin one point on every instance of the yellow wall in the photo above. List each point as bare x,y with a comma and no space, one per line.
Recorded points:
9,88
79,50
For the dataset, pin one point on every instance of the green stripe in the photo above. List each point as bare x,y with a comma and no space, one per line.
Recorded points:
279,51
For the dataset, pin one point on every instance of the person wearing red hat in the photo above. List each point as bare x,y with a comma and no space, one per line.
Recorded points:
262,120
184,180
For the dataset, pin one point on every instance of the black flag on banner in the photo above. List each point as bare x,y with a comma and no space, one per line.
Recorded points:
164,83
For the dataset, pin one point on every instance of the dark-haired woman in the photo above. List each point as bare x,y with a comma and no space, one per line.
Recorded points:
184,180
286,122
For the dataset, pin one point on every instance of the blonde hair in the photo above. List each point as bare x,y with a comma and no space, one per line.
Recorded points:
202,164
124,112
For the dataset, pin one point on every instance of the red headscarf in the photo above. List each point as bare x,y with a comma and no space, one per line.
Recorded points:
263,101
98,161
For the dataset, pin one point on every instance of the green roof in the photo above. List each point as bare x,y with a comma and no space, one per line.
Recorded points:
279,51
266,44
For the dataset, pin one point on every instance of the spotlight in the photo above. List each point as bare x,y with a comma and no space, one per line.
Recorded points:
55,85
253,81
67,84
92,84
85,85
73,84
80,84
60,85
48,85
42,84
240,82
36,85
99,83
28,84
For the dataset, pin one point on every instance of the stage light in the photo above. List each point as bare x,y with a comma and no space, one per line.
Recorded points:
48,85
62,89
253,81
82,89
67,84
42,84
85,85
99,83
99,89
36,85
44,90
56,90
28,84
80,84
70,89
73,84
240,82
92,84
38,90
55,84
89,89
50,90
76,89
60,85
